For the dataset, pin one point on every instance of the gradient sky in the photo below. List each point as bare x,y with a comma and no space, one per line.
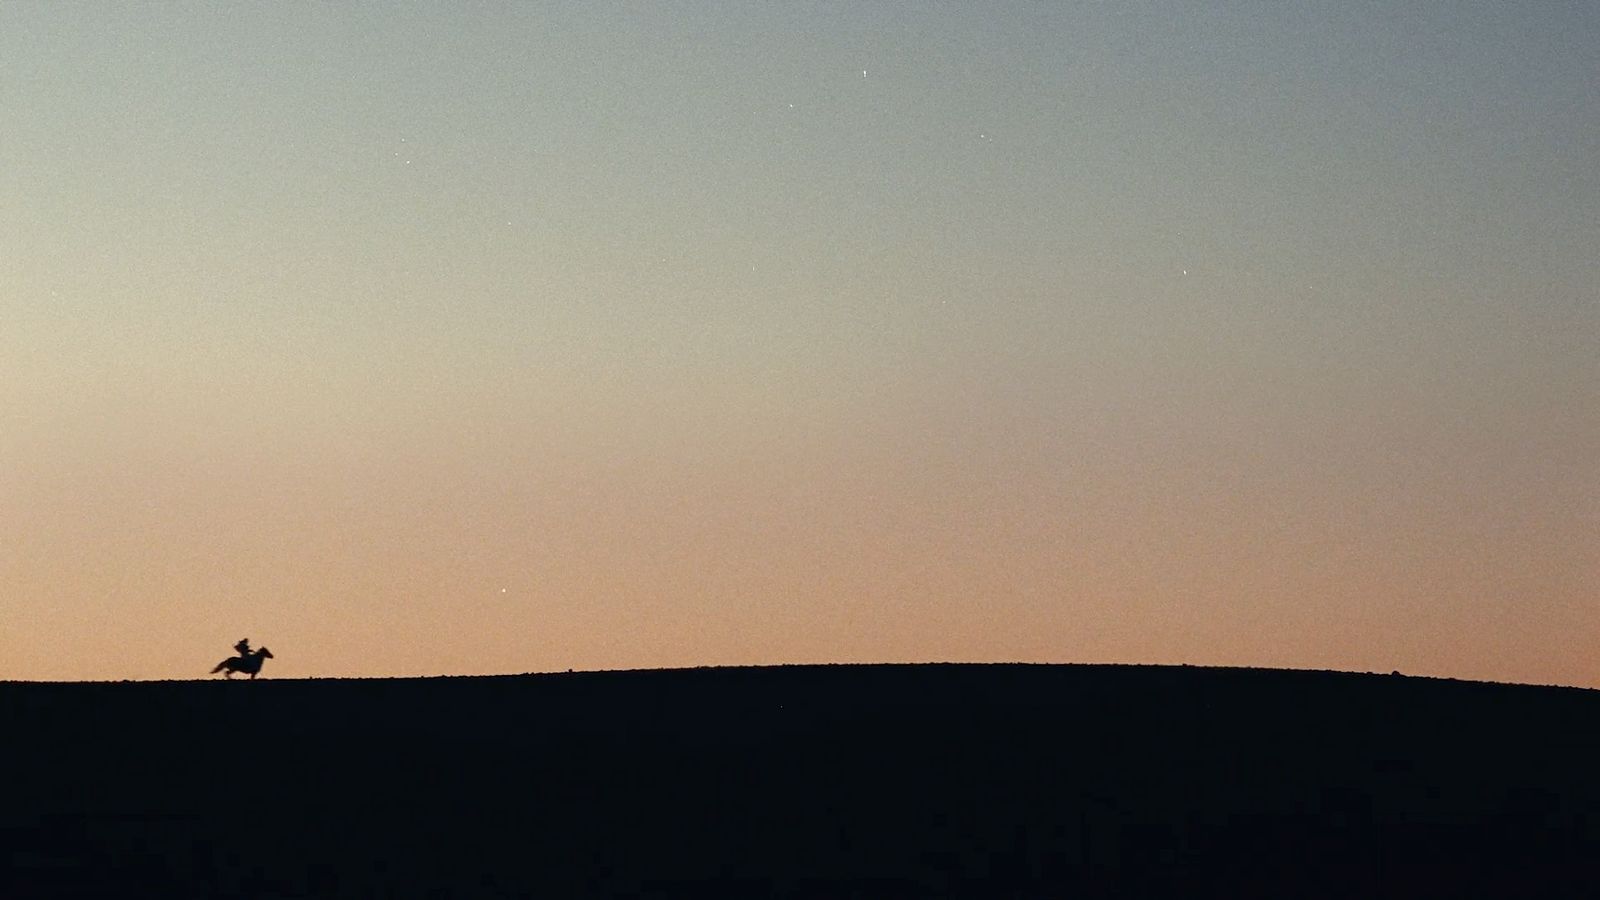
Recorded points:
451,339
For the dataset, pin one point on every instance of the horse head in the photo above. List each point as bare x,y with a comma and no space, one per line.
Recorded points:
264,653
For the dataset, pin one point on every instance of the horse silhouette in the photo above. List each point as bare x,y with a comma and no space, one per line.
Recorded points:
249,663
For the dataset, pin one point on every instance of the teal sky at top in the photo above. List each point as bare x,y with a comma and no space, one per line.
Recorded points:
1008,237
1027,142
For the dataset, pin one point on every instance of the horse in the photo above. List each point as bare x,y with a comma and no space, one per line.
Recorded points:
249,663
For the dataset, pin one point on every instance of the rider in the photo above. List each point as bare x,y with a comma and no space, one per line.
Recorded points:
243,647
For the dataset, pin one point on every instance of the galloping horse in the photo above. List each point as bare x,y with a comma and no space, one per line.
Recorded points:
249,663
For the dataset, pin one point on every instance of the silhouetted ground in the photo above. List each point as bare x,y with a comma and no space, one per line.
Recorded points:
836,781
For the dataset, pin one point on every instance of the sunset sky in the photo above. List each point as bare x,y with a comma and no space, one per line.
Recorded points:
414,339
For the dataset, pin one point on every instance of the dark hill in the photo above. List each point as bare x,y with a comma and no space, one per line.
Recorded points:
836,781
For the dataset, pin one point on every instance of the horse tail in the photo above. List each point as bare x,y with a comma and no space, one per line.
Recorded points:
220,666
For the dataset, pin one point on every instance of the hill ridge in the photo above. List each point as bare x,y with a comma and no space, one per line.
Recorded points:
904,779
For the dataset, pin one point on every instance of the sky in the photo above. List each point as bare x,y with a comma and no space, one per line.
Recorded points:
418,339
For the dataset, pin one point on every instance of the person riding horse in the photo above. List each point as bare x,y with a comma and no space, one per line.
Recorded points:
248,661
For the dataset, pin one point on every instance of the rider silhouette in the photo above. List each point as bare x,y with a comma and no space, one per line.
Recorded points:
243,647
